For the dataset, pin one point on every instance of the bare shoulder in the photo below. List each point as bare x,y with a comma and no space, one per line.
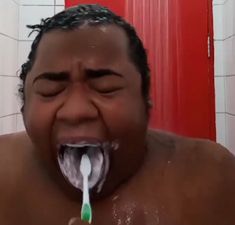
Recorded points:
14,150
200,151
200,175
14,138
13,146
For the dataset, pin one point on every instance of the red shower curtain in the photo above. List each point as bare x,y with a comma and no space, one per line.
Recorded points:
118,6
176,34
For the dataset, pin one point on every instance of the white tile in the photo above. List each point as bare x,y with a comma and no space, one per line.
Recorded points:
230,94
9,95
8,124
1,129
2,42
16,1
19,123
232,68
24,49
218,21
9,17
228,60
228,18
219,58
8,56
220,128
1,96
224,20
230,140
219,1
59,9
233,17
219,94
30,15
37,2
60,2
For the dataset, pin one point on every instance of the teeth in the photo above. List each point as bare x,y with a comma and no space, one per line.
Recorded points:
80,145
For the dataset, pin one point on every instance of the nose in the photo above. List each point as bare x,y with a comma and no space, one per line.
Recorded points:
78,107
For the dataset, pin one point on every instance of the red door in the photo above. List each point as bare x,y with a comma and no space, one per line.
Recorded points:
176,34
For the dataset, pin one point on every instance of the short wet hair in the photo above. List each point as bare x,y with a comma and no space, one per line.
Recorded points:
92,15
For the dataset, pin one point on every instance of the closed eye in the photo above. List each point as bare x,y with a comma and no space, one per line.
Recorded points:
47,88
108,85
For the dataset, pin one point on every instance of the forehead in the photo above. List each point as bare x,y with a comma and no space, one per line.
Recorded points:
102,44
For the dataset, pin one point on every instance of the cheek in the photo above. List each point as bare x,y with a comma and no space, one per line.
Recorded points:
125,117
38,119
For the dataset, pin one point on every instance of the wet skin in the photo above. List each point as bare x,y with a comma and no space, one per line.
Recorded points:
83,86
182,181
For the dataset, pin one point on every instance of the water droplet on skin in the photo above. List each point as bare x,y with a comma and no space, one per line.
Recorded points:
115,198
128,220
115,145
103,28
157,216
119,222
73,220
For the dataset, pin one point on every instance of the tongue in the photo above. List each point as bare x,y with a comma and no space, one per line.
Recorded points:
69,164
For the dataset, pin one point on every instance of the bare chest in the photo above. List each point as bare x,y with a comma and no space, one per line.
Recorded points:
47,207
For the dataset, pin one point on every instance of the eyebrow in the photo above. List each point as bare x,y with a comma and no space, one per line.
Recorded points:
54,76
64,76
101,73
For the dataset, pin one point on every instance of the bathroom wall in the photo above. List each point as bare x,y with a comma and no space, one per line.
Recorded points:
9,11
224,41
15,44
14,48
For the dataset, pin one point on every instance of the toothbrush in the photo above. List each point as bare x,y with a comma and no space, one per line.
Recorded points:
85,168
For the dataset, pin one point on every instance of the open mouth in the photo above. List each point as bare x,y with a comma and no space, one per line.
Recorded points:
69,159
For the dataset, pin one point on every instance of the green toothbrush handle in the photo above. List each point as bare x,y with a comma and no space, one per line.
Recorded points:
86,213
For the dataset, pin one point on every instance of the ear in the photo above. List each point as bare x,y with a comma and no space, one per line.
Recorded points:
23,116
150,103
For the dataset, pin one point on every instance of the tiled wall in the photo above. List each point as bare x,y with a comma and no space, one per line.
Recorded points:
14,48
224,36
9,17
15,44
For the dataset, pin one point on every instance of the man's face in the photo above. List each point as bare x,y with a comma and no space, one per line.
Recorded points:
83,86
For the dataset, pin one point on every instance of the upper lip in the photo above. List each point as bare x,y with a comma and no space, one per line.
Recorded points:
79,141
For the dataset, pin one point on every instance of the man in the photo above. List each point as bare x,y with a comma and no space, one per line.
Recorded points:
85,91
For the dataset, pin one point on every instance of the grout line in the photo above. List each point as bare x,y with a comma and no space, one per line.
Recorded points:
226,113
221,3
35,5
5,35
230,114
230,76
9,76
231,36
13,114
41,4
25,40
225,75
16,2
